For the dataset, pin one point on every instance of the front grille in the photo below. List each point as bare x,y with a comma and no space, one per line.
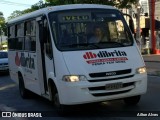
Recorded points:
110,73
117,78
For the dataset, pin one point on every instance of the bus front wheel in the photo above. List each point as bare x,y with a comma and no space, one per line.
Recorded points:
55,100
60,108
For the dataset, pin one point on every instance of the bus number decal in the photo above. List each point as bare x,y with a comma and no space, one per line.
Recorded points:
75,18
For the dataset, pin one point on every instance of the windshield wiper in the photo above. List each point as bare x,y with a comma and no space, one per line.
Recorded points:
95,45
84,44
114,43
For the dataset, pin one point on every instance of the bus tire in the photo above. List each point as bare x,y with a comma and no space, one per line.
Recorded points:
55,100
23,91
132,100
59,107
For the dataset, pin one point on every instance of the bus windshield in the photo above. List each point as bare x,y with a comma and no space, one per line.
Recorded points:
89,29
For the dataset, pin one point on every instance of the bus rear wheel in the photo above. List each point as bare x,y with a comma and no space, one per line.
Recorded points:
132,100
23,91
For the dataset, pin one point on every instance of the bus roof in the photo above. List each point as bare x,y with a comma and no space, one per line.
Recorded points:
57,8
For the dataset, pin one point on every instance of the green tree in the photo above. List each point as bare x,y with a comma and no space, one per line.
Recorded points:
15,13
2,24
34,7
38,5
118,4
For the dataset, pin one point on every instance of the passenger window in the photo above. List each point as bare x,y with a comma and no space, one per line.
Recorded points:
11,37
19,36
30,36
12,32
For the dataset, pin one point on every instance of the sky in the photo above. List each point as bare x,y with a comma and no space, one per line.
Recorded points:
8,6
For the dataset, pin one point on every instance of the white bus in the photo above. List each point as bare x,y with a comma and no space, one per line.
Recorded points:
76,54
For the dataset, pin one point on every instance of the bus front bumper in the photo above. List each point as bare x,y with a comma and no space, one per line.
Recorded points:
87,92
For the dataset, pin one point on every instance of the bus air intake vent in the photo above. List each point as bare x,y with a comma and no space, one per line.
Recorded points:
110,73
110,79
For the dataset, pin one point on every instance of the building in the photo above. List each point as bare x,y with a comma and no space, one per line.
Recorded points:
157,10
145,22
144,26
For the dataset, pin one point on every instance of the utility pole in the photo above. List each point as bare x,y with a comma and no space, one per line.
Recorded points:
152,25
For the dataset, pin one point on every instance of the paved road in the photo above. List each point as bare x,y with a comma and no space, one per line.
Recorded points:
153,68
152,62
10,100
154,65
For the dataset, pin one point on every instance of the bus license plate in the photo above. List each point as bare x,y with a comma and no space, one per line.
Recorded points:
114,86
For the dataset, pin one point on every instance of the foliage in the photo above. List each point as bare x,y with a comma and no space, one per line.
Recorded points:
34,7
116,3
15,13
4,43
2,24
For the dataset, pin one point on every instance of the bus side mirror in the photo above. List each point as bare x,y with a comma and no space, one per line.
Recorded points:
130,22
131,25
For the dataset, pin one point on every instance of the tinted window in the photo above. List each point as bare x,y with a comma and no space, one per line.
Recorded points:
30,36
11,37
19,36
3,55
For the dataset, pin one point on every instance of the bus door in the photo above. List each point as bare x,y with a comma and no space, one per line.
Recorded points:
28,57
45,60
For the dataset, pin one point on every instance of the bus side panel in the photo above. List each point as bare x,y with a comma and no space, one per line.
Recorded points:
30,71
26,64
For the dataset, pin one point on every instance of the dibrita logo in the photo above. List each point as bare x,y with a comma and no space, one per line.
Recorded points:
89,55
105,56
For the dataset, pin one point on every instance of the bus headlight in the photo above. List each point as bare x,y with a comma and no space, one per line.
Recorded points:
74,78
141,70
